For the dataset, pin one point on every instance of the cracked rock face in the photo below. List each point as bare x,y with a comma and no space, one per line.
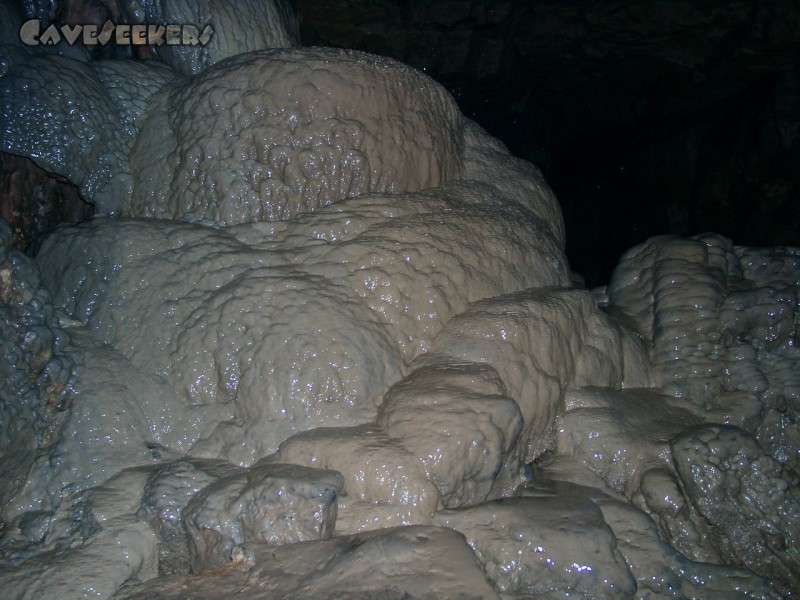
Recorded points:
347,360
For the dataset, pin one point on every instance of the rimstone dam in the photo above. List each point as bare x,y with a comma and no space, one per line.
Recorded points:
320,339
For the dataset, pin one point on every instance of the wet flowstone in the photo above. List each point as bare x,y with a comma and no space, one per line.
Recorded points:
325,342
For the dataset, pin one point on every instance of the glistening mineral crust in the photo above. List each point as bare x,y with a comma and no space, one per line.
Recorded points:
323,342
298,129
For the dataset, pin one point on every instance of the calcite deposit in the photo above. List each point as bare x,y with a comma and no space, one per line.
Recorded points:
34,373
322,341
329,125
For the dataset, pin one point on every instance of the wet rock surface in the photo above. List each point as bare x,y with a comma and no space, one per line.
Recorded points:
541,342
459,424
34,372
86,145
268,504
408,562
253,401
166,494
620,434
307,140
384,484
746,497
721,322
544,545
328,307
658,569
679,118
33,202
91,544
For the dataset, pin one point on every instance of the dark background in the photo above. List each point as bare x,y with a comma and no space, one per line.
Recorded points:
649,117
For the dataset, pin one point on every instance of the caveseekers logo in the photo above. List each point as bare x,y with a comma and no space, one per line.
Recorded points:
31,34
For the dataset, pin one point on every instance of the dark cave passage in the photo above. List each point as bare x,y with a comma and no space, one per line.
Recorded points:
646,118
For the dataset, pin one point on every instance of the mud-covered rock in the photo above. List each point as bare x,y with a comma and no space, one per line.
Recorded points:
268,504
620,434
403,563
35,372
544,545
459,423
166,494
384,484
746,497
541,342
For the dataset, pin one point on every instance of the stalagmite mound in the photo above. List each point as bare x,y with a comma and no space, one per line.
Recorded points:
268,135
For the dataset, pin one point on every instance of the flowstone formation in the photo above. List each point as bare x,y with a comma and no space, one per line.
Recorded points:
322,341
291,146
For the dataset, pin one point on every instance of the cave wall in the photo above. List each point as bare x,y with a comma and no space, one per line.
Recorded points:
681,118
